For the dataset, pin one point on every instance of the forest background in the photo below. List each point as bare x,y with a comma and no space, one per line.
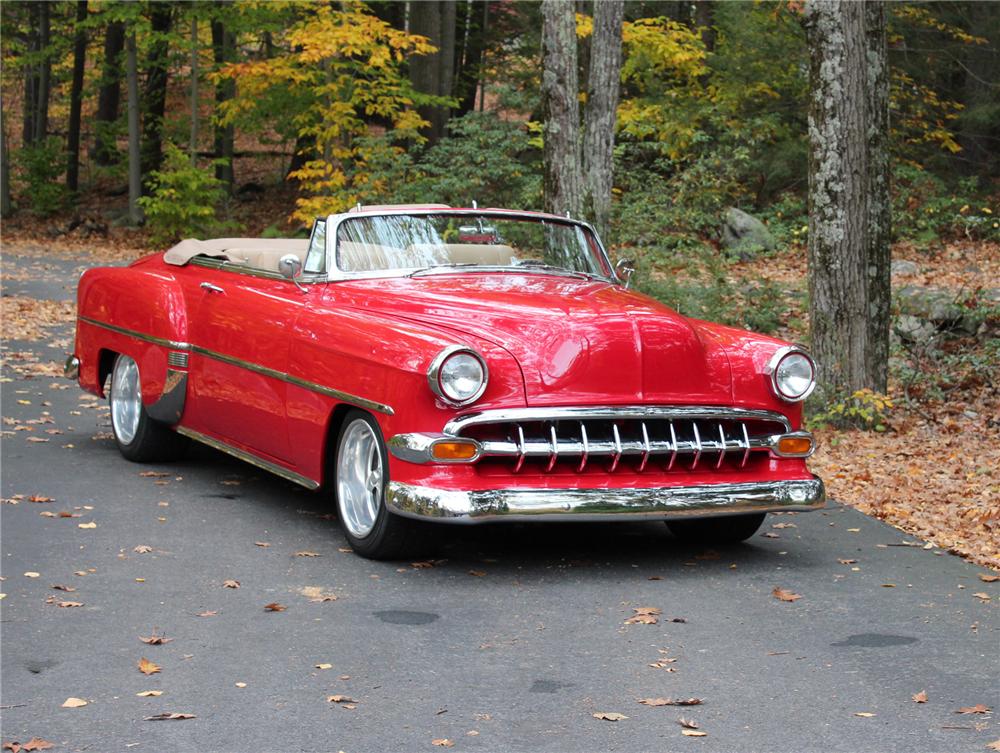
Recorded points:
255,117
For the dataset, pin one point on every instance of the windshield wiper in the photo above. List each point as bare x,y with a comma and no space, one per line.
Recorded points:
453,265
531,264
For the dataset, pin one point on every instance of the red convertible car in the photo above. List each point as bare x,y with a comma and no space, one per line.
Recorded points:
449,365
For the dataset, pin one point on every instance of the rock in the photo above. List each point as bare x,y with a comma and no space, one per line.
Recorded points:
903,268
937,307
912,329
743,234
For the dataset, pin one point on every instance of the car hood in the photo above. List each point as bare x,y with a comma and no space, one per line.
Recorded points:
576,341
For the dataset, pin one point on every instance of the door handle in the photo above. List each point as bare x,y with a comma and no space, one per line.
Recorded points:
212,288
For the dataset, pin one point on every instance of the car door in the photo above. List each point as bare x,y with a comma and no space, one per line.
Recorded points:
239,325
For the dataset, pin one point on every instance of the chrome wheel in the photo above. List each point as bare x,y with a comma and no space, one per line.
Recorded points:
359,478
126,399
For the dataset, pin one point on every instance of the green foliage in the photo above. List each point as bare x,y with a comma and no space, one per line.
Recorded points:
183,200
863,409
39,168
927,209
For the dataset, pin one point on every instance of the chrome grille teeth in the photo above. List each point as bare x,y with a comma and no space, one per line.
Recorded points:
552,444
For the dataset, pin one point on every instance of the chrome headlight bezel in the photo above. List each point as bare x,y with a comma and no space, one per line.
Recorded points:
772,371
438,364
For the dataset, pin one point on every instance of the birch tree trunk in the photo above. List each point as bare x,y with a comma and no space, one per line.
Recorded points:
562,181
134,157
848,193
76,99
603,86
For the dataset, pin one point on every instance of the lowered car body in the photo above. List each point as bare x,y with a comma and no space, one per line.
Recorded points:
448,365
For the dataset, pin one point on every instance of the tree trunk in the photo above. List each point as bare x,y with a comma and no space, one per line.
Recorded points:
603,85
41,118
434,74
848,193
109,96
30,79
468,73
76,99
134,157
704,18
6,206
155,95
563,187
193,144
222,46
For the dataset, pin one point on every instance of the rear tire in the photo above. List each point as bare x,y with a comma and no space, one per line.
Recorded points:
362,476
139,438
731,529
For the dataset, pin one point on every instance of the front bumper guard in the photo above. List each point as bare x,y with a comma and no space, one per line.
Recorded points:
661,503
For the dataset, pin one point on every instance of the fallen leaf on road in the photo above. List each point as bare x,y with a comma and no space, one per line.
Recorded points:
340,699
206,614
142,549
230,584
47,514
782,594
609,716
241,684
35,743
784,525
345,550
770,535
920,697
865,714
687,723
69,604
308,554
670,701
316,594
979,708
150,693
982,595
91,524
263,544
32,574
147,667
40,498
644,616
155,640
168,717
847,561
60,587
274,607
693,733
443,742
324,666
989,578
477,573
995,745
153,474
418,565
73,703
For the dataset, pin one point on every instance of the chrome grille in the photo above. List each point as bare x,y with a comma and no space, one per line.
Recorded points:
641,439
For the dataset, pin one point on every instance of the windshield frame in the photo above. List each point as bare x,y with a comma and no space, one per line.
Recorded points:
334,221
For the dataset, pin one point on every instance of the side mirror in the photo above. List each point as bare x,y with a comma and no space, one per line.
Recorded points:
290,267
624,269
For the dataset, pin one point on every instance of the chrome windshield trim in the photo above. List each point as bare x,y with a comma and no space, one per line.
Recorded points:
225,265
660,503
334,221
248,457
677,413
346,397
138,335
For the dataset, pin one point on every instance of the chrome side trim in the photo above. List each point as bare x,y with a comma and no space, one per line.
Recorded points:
693,412
226,265
138,335
665,503
71,369
169,407
277,470
346,397
178,358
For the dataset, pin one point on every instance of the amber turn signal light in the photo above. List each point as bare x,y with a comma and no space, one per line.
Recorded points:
454,450
795,445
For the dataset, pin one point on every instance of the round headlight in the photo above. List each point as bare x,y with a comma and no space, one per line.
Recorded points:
793,374
458,375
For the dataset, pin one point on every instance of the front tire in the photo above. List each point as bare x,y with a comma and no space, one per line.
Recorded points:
362,476
731,529
139,438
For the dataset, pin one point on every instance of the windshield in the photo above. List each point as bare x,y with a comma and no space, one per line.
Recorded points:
444,241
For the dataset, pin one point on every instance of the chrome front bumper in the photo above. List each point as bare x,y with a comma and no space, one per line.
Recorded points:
664,503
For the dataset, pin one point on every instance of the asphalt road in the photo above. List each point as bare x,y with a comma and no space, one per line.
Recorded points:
507,639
